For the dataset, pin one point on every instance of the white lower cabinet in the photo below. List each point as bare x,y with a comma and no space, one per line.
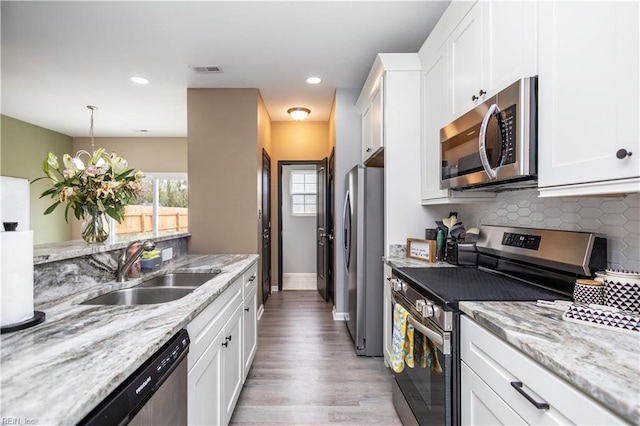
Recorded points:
492,371
204,387
250,332
223,344
481,405
232,363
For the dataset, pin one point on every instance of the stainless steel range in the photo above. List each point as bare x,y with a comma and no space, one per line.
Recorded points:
514,264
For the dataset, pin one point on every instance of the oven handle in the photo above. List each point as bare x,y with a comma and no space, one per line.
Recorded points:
437,338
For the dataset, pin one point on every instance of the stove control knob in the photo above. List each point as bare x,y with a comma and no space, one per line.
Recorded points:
420,305
404,287
428,310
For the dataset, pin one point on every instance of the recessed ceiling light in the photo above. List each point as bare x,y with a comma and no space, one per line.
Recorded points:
139,80
314,80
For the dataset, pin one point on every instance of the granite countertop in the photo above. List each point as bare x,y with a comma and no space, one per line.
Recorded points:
602,363
58,371
406,262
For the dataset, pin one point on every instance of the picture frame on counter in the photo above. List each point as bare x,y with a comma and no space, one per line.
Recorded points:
421,249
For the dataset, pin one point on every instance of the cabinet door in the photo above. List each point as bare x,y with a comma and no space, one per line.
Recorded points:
204,386
588,92
434,95
366,134
481,405
231,363
510,31
249,331
377,118
465,52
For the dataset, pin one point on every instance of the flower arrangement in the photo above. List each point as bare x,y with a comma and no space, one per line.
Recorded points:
104,185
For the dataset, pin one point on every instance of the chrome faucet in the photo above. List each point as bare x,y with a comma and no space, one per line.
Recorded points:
124,263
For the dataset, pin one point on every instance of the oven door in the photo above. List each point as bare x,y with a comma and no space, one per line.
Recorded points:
423,395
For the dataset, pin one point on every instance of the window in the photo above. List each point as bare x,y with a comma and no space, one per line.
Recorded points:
303,192
162,208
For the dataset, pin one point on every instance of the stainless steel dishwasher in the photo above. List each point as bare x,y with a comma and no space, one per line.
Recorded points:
155,394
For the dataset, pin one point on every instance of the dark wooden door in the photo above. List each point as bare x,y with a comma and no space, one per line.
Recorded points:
266,226
330,211
322,248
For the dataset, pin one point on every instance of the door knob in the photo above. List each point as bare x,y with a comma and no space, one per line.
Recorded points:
622,153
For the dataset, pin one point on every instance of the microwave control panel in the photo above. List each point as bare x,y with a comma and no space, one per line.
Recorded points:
509,134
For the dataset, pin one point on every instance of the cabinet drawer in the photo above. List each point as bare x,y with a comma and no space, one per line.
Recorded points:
250,278
204,328
499,364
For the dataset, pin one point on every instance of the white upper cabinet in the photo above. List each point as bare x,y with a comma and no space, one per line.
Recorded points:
465,56
589,98
387,94
494,45
510,42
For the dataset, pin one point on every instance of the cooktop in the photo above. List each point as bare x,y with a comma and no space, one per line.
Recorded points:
452,285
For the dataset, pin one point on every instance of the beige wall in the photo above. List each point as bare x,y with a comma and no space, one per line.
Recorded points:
146,154
22,150
293,141
222,165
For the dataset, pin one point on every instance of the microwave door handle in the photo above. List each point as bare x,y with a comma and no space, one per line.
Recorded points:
482,142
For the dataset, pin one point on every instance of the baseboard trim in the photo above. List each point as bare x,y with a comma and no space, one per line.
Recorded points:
339,316
260,312
274,288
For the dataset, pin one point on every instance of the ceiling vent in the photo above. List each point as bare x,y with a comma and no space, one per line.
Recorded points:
207,69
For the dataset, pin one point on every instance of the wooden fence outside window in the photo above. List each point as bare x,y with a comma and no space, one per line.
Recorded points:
139,219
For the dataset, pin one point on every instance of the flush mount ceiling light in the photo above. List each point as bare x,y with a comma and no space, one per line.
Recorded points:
314,80
299,113
139,80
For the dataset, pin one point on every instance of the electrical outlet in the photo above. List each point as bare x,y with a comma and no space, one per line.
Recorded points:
167,254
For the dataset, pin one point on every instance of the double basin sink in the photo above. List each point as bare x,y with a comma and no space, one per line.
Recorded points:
160,289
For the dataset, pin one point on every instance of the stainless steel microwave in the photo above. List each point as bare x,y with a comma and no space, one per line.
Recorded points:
494,144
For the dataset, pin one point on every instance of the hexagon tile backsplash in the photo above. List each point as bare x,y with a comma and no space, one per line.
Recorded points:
617,218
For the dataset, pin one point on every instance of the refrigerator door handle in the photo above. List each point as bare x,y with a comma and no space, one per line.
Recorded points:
345,213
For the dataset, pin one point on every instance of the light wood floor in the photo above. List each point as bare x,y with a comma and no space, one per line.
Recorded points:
306,371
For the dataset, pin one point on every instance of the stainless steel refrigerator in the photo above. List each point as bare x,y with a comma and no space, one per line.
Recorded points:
363,250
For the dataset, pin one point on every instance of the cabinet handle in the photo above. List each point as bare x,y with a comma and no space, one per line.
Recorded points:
539,405
480,93
225,344
228,338
622,153
246,309
368,149
253,277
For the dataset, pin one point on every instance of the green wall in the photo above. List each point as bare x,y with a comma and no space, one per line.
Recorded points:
22,150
